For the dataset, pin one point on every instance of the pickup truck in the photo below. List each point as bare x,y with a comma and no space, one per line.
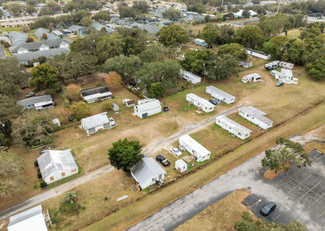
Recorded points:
163,160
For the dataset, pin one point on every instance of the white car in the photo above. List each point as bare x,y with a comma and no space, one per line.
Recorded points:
176,151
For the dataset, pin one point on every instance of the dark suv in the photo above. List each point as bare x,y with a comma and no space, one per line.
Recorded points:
163,160
268,208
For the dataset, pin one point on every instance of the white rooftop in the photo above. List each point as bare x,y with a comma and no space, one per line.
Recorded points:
286,72
234,125
217,93
190,74
199,149
149,104
254,112
30,220
94,121
202,101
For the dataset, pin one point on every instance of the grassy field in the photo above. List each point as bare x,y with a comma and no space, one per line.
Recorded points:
136,212
222,215
295,33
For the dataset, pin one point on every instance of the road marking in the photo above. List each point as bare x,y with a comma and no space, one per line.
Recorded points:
291,177
276,218
310,190
322,214
299,184
316,200
319,157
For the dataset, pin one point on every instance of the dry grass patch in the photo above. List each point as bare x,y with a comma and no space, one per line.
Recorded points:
222,215
270,174
315,145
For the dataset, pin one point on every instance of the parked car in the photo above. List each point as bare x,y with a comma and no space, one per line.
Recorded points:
279,84
176,151
163,160
213,101
268,208
30,94
24,87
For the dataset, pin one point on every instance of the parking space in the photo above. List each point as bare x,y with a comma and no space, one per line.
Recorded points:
303,185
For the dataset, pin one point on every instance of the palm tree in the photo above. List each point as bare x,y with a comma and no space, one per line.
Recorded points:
71,196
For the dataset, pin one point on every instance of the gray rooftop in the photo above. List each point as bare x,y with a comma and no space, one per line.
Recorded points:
33,100
145,169
36,45
217,92
53,160
252,111
24,58
94,121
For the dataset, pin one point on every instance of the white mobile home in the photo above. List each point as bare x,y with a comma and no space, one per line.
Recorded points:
190,77
199,152
147,107
255,116
286,65
37,102
180,165
257,54
96,123
199,102
56,165
285,76
94,94
251,78
233,127
220,95
31,219
147,172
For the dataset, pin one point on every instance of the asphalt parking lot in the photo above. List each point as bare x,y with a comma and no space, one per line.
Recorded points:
305,186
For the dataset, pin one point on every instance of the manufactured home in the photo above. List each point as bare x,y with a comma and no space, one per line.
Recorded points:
199,102
94,94
220,95
257,54
37,102
147,172
147,107
233,127
180,165
56,165
199,152
285,76
286,65
256,116
31,219
200,42
190,77
251,78
97,123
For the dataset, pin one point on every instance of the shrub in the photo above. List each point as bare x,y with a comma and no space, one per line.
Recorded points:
107,106
39,175
38,170
73,91
80,110
36,163
43,184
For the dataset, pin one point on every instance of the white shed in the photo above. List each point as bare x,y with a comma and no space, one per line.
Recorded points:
199,152
190,77
286,65
180,165
147,172
147,107
233,127
257,54
220,95
199,102
31,219
56,165
251,78
96,123
255,116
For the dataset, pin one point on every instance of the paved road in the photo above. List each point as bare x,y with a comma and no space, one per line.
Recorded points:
149,150
54,192
248,175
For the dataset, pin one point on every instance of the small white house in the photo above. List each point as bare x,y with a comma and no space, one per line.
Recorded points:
257,54
56,165
32,219
190,77
147,107
199,102
255,116
285,76
94,94
251,78
180,165
147,172
233,127
44,47
199,152
220,95
200,42
97,123
286,65
37,102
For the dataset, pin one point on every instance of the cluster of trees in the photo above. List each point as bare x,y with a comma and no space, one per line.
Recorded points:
138,8
304,7
247,223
